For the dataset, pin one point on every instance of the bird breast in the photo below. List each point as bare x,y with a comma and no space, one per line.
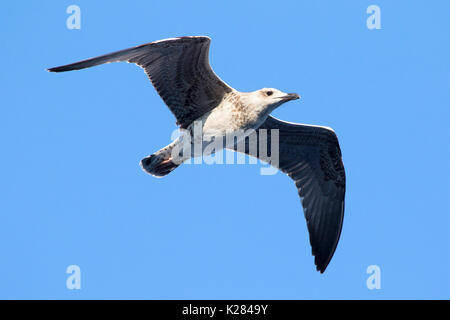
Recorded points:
229,116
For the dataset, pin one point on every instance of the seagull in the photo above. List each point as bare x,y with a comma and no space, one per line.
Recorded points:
310,155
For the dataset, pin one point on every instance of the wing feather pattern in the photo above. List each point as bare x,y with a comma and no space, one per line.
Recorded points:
311,156
179,70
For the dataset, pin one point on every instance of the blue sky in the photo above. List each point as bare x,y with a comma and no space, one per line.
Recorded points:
72,191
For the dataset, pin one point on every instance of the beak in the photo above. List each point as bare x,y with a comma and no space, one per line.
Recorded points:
290,96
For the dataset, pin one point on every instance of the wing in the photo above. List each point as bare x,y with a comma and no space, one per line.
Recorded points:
311,156
179,70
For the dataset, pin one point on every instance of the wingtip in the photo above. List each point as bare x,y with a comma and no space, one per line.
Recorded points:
55,69
321,266
320,269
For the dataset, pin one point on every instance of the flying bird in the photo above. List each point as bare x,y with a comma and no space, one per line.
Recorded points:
310,155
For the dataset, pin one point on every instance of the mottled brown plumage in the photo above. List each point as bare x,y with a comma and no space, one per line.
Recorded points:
179,70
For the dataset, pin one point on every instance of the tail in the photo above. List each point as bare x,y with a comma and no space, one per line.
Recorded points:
160,163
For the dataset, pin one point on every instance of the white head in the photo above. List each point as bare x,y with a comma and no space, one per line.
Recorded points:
267,99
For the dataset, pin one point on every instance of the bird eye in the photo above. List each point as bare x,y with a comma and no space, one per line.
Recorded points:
269,93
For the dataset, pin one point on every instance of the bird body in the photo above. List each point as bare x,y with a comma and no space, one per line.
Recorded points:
240,112
180,72
235,117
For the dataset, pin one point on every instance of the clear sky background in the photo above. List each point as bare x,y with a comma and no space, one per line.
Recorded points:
72,191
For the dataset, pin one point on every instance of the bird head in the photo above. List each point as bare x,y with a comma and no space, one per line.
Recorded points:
267,99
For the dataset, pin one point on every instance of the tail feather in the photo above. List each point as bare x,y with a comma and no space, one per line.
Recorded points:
160,163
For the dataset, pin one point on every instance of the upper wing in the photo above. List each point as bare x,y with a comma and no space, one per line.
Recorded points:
311,156
179,70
